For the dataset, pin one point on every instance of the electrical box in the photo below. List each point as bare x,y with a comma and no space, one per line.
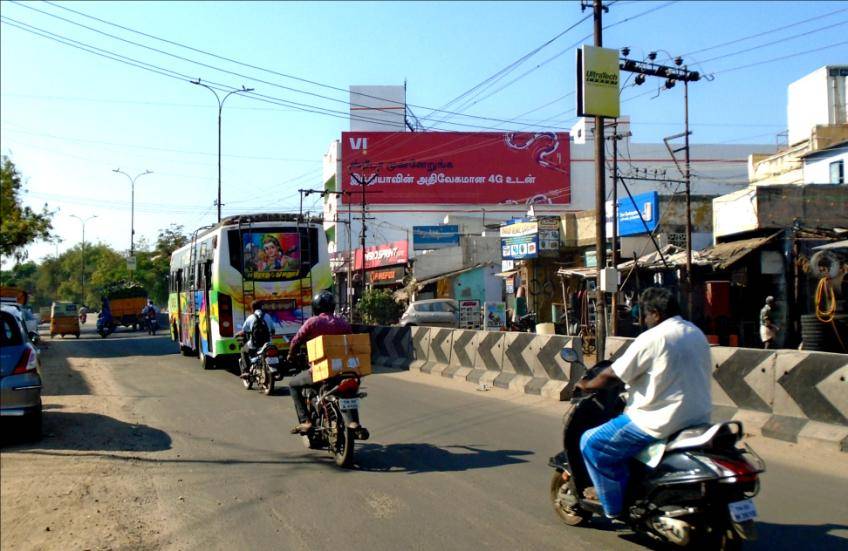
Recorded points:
608,279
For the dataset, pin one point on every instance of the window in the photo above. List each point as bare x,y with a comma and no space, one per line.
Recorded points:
11,334
837,172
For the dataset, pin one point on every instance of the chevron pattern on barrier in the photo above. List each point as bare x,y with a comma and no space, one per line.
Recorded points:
391,346
732,375
440,350
464,351
420,346
817,383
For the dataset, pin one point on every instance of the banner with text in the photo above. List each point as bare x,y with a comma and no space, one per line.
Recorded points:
378,256
477,168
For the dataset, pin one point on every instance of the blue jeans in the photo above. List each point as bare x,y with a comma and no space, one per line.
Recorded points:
606,450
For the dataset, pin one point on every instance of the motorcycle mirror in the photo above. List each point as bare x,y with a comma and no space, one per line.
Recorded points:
568,354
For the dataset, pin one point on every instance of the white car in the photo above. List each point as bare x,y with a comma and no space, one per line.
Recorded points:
440,312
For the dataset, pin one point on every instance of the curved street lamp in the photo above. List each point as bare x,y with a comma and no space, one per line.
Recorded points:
82,253
132,203
220,108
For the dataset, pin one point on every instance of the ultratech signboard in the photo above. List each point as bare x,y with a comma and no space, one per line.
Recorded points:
387,276
382,255
597,82
520,240
479,168
435,237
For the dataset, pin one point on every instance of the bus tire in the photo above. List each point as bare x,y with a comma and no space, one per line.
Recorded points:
206,361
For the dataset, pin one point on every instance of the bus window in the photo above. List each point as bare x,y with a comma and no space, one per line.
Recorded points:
274,254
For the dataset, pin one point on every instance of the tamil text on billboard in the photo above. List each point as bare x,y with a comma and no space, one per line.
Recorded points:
520,240
458,167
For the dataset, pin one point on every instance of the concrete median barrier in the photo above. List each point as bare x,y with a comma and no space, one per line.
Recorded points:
788,395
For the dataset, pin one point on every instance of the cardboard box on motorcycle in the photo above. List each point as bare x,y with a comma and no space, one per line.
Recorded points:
331,355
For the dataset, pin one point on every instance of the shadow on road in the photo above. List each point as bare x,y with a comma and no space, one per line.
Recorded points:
425,458
89,432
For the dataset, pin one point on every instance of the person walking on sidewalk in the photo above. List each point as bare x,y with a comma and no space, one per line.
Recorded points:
768,329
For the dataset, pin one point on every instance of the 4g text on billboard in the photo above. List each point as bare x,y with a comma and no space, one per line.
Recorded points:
458,167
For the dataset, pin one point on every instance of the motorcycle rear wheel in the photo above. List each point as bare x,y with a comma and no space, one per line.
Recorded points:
340,437
572,517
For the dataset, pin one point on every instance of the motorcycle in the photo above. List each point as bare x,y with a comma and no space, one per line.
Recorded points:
693,490
152,325
333,408
525,324
263,370
105,326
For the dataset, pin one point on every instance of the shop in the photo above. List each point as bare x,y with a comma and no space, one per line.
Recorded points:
386,267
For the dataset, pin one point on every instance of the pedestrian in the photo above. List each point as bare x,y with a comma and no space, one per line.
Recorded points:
768,329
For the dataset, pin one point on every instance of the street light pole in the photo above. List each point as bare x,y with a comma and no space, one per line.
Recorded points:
220,109
82,254
132,203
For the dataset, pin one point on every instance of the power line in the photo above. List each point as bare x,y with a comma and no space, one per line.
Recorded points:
776,29
296,90
781,58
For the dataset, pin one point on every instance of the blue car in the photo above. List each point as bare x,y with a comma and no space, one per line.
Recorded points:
20,374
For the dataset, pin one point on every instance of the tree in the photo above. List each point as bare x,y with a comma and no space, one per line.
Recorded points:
378,307
19,225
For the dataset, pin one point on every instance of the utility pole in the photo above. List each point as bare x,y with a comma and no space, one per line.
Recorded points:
363,184
82,255
672,75
600,204
132,203
614,306
220,109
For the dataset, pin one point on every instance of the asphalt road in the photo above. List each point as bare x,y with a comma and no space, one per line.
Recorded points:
445,468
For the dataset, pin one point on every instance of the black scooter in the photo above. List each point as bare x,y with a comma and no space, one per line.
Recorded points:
695,491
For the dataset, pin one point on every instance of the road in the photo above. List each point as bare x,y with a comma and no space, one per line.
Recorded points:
446,468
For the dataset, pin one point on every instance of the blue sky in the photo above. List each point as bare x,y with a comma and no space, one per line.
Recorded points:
68,117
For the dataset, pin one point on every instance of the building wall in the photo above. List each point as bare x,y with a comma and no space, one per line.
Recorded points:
818,98
817,168
377,108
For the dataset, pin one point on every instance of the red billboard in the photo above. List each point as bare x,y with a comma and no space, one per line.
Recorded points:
481,168
378,256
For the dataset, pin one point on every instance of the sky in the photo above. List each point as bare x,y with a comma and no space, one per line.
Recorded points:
69,117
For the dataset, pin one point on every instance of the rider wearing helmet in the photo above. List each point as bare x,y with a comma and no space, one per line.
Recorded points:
256,331
322,322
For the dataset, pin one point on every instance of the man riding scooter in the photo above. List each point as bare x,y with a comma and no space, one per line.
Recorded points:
256,331
667,370
322,322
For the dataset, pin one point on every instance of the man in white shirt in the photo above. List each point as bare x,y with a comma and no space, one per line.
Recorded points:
667,370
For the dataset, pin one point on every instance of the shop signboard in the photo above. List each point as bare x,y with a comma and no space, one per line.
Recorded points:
385,276
469,314
495,316
469,168
520,240
598,75
435,237
548,235
646,204
378,256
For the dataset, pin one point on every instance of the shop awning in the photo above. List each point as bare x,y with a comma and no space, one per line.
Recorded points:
832,246
578,272
719,257
507,274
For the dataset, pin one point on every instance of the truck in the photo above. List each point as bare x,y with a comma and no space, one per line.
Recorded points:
126,301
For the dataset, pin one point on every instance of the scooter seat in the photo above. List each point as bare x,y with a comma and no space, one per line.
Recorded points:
701,435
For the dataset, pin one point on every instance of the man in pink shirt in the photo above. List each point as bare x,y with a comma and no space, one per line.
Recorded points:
322,322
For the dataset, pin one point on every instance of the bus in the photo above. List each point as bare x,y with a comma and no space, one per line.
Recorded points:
280,260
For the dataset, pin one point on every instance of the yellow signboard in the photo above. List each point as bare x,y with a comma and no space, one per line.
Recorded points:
598,82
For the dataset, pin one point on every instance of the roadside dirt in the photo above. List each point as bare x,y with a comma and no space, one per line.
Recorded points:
85,484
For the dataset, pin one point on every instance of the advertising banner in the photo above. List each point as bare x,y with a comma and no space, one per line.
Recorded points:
271,256
469,314
387,276
597,82
548,235
476,168
378,256
520,240
435,237
646,204
495,316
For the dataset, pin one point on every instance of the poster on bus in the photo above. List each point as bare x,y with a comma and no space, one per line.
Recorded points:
271,256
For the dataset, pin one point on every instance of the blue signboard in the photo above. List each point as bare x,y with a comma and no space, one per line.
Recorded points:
629,223
435,237
520,240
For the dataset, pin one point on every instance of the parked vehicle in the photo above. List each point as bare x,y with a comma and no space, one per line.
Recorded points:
440,312
20,373
694,490
525,324
332,407
64,320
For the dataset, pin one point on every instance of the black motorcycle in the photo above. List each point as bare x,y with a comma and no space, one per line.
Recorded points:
525,323
264,369
695,491
333,408
152,325
105,327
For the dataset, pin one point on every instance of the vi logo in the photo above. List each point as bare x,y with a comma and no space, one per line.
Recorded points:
359,144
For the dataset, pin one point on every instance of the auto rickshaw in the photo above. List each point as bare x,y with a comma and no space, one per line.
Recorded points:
64,320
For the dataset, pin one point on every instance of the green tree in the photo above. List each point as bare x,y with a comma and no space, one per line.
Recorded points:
19,225
378,308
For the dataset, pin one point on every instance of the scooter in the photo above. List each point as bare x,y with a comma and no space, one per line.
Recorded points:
693,490
105,326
